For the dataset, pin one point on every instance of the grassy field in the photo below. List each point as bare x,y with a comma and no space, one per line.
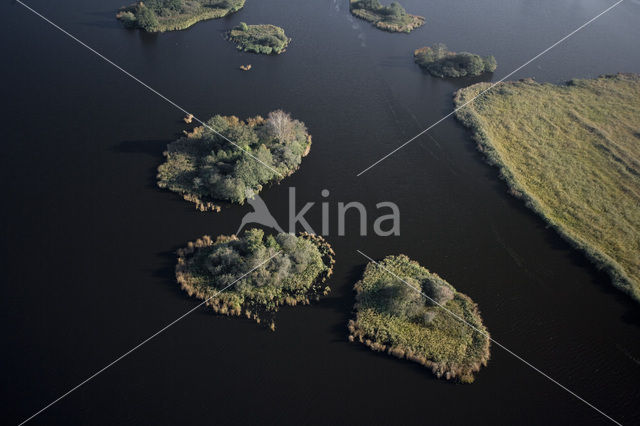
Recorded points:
572,152
392,317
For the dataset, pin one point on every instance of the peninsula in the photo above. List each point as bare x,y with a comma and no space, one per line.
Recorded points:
393,18
572,153
230,159
442,63
412,323
266,39
168,15
226,273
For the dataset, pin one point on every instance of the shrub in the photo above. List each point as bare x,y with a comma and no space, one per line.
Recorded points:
442,63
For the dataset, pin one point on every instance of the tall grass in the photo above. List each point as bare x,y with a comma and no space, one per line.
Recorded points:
572,152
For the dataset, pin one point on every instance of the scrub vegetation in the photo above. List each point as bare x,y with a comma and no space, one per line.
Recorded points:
204,167
394,318
267,39
392,18
442,63
295,275
572,152
169,15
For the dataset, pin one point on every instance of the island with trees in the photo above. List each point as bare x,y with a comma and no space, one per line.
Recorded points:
230,159
419,318
393,18
572,153
254,275
266,39
442,63
168,15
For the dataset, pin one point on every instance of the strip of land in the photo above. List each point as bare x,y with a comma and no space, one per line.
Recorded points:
393,18
572,152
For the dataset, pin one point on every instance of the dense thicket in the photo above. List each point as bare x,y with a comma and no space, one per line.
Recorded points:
407,319
204,167
167,15
265,39
442,63
293,270
390,18
572,152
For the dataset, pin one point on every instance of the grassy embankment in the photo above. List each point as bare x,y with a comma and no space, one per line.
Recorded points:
391,18
442,63
295,275
572,152
393,318
206,168
265,39
170,15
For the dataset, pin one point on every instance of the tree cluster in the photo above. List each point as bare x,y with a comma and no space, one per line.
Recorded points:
266,39
230,160
442,63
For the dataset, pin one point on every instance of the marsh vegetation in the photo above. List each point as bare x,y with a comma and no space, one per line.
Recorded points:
572,152
293,271
205,167
169,15
411,323
392,18
266,39
442,63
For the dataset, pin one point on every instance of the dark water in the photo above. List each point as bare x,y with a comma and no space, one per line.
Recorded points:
87,240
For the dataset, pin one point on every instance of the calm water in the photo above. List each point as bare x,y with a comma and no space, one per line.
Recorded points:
87,240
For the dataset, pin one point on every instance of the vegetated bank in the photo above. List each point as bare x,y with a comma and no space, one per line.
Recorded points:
394,318
295,274
392,18
169,15
267,39
572,152
206,168
442,63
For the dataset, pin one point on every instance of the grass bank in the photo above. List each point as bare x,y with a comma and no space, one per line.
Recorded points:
393,318
572,153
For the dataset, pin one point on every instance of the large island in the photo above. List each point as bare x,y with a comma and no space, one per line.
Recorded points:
169,15
231,159
392,18
418,323
252,275
572,152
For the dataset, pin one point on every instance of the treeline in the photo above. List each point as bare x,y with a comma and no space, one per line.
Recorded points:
167,15
406,319
442,63
205,167
265,39
258,274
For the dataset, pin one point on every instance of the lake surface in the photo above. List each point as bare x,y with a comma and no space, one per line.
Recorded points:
88,241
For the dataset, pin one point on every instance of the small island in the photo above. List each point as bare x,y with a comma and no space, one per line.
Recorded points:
169,15
294,270
391,317
266,39
206,168
572,153
442,63
393,18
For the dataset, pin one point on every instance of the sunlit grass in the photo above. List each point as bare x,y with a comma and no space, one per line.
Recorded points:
573,153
